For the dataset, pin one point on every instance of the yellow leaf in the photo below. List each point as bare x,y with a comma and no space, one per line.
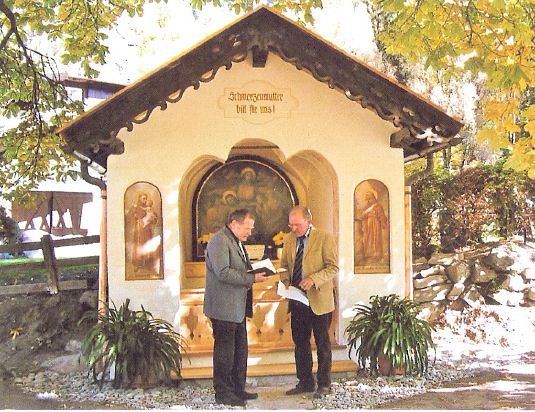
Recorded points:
530,112
530,127
15,332
511,126
486,135
495,110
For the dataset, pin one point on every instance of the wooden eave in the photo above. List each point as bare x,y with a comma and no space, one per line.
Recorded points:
424,127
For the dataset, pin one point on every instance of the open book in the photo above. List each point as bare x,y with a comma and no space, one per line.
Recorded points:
266,266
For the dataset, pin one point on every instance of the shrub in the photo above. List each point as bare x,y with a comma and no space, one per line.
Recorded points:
135,344
9,228
389,326
453,211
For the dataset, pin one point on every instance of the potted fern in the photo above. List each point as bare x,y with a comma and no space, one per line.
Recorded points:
387,335
137,348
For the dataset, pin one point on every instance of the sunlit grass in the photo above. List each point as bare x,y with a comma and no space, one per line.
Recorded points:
12,271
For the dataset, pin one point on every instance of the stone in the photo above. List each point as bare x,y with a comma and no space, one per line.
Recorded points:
514,283
430,311
421,283
529,273
522,255
473,298
419,264
508,298
531,293
458,272
89,299
458,305
482,274
456,291
65,364
442,258
73,345
498,260
417,267
434,270
433,293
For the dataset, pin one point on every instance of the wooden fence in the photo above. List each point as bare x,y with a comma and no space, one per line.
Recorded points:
50,263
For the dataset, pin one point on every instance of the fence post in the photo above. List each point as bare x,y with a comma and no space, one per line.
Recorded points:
50,263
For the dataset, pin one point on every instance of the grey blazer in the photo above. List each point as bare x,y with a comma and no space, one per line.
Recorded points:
227,280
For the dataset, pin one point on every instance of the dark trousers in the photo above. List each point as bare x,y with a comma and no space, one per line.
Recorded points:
304,322
230,357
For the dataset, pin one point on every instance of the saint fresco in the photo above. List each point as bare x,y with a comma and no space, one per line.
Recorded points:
143,232
372,227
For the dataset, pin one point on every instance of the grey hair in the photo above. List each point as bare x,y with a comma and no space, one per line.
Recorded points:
305,211
239,215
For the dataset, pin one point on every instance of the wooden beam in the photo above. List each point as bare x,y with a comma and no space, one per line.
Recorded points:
50,264
259,57
408,244
397,138
267,370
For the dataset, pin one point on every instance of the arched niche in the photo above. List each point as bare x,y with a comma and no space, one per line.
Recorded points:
143,232
317,188
371,227
311,175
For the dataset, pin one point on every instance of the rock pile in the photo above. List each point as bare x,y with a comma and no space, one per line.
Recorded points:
502,274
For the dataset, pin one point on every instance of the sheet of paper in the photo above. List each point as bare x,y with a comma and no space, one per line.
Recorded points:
292,293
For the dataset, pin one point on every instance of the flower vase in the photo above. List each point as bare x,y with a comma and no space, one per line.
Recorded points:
279,253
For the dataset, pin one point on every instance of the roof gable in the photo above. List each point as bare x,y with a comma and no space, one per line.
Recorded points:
424,127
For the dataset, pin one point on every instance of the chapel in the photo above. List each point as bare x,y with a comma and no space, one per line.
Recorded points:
263,114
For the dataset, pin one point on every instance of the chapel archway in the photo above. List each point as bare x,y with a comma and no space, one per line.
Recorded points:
313,183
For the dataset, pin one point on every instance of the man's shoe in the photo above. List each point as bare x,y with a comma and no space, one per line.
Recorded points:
300,389
322,391
247,395
231,400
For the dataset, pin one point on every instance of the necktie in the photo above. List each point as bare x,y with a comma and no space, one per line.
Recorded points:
298,264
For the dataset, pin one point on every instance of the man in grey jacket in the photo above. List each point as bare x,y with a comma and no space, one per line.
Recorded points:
227,300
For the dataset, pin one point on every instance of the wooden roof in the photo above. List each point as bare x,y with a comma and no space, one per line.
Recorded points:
424,127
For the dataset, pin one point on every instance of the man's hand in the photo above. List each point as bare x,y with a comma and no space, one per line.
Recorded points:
260,277
306,284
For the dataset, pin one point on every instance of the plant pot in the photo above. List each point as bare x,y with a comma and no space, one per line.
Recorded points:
137,383
385,366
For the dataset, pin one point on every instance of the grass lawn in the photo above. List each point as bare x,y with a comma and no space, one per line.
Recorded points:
12,271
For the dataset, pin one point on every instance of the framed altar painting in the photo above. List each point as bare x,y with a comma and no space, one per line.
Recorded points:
242,183
143,232
372,227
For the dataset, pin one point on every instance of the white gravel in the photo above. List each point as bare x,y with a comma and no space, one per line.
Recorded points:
465,345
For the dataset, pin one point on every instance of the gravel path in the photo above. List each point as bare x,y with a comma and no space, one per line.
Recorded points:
504,338
356,392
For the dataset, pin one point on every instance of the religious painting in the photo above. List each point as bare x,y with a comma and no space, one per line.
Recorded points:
372,227
143,232
242,183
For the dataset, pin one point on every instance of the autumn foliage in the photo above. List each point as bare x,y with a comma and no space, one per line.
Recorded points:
479,204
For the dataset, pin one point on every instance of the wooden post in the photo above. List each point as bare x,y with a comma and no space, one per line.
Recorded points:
50,263
408,244
103,261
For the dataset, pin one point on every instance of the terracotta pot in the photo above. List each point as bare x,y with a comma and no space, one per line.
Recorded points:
385,366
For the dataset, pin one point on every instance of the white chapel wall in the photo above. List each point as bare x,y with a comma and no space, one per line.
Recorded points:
351,140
